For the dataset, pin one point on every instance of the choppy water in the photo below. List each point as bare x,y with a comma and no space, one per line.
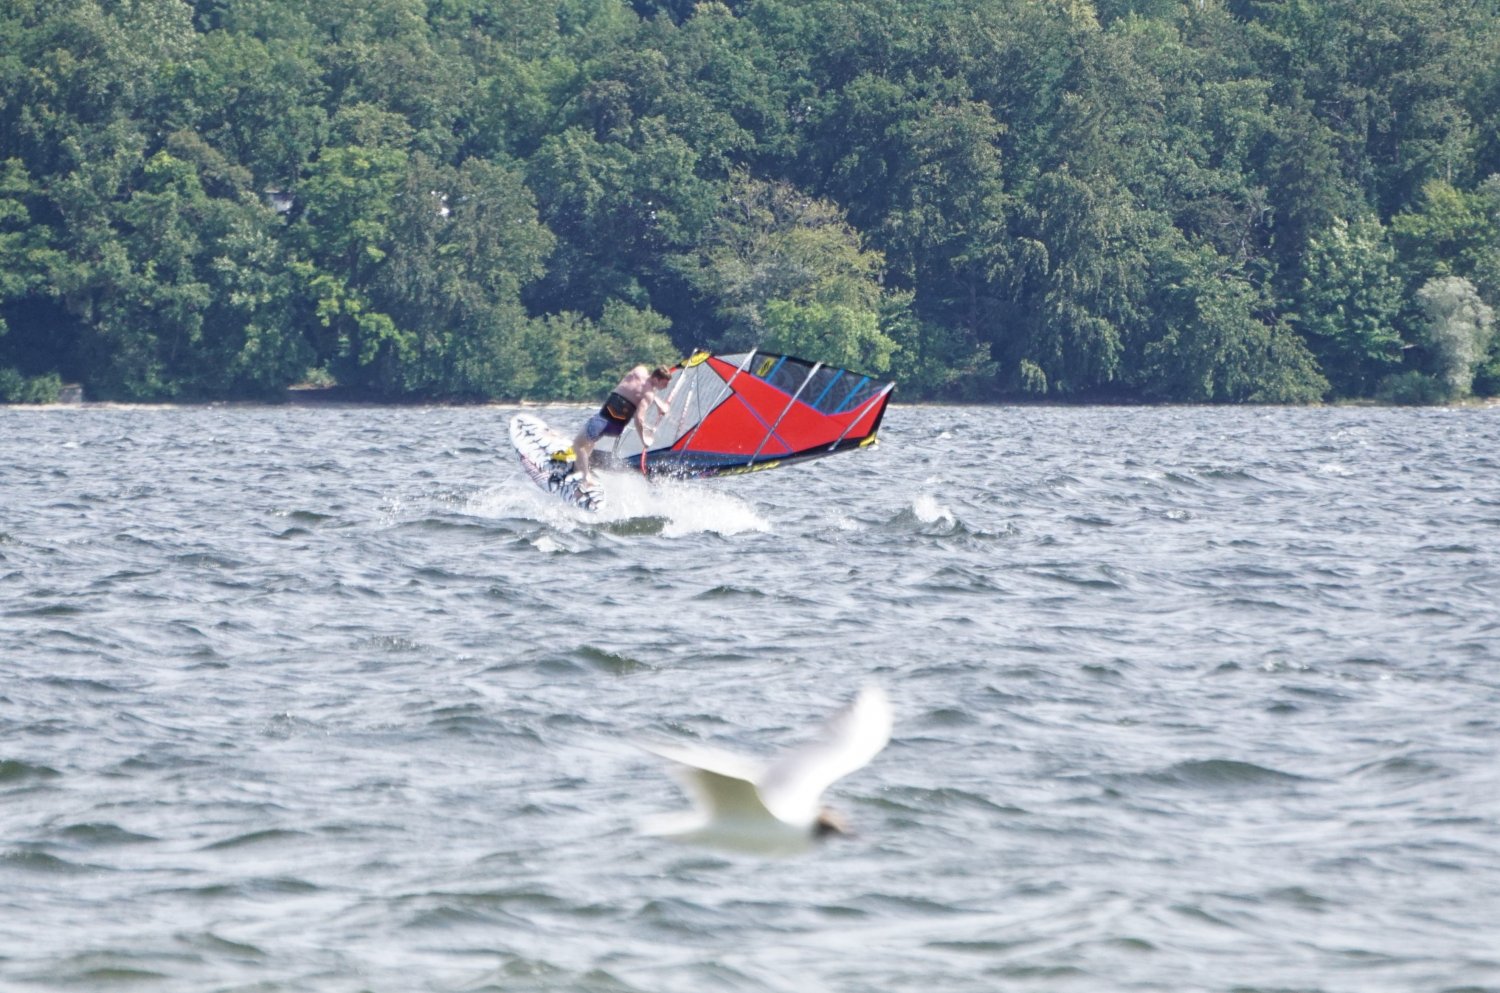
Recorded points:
334,700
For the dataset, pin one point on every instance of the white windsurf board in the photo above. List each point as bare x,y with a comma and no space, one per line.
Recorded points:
547,458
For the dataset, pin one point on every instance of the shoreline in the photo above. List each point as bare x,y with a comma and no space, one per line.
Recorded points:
336,397
1485,403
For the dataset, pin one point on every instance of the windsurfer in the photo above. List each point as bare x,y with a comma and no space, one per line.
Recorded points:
626,403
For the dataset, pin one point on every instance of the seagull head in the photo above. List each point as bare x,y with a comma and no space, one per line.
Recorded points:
830,823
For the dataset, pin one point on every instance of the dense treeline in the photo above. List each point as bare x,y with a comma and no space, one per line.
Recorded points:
1217,200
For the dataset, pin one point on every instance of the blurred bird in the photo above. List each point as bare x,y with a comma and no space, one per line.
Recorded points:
775,807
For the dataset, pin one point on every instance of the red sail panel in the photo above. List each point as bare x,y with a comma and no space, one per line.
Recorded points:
802,427
868,417
732,428
727,370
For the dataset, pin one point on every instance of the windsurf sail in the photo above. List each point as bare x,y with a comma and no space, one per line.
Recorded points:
756,410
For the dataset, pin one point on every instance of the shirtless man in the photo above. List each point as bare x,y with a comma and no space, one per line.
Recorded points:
627,402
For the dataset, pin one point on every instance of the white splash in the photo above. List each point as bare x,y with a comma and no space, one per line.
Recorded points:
687,507
929,511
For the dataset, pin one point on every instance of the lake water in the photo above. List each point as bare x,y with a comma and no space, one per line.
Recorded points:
333,699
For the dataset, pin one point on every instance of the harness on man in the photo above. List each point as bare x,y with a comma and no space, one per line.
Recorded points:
617,408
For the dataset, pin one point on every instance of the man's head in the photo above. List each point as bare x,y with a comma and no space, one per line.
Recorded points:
660,375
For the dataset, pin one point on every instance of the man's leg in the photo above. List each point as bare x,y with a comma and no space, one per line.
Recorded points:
582,446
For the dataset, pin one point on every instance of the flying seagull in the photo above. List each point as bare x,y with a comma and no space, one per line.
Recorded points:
775,807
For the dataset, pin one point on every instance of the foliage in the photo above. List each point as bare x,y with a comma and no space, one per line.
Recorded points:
575,358
840,335
1220,201
1413,389
1458,330
788,272
1349,303
16,388
1208,342
26,256
1450,232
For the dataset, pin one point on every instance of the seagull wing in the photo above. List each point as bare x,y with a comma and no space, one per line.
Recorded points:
721,783
793,785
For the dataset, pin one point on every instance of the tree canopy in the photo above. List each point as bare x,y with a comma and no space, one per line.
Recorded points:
1123,200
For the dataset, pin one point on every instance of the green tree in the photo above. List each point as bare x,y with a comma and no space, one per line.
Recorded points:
575,358
1210,341
618,206
937,360
1458,331
1384,77
832,333
258,101
716,84
926,173
463,244
1350,304
1451,233
17,388
1079,199
26,253
250,342
188,295
1082,296
384,53
1486,259
772,245
343,237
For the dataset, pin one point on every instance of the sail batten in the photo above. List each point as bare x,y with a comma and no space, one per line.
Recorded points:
782,416
883,393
